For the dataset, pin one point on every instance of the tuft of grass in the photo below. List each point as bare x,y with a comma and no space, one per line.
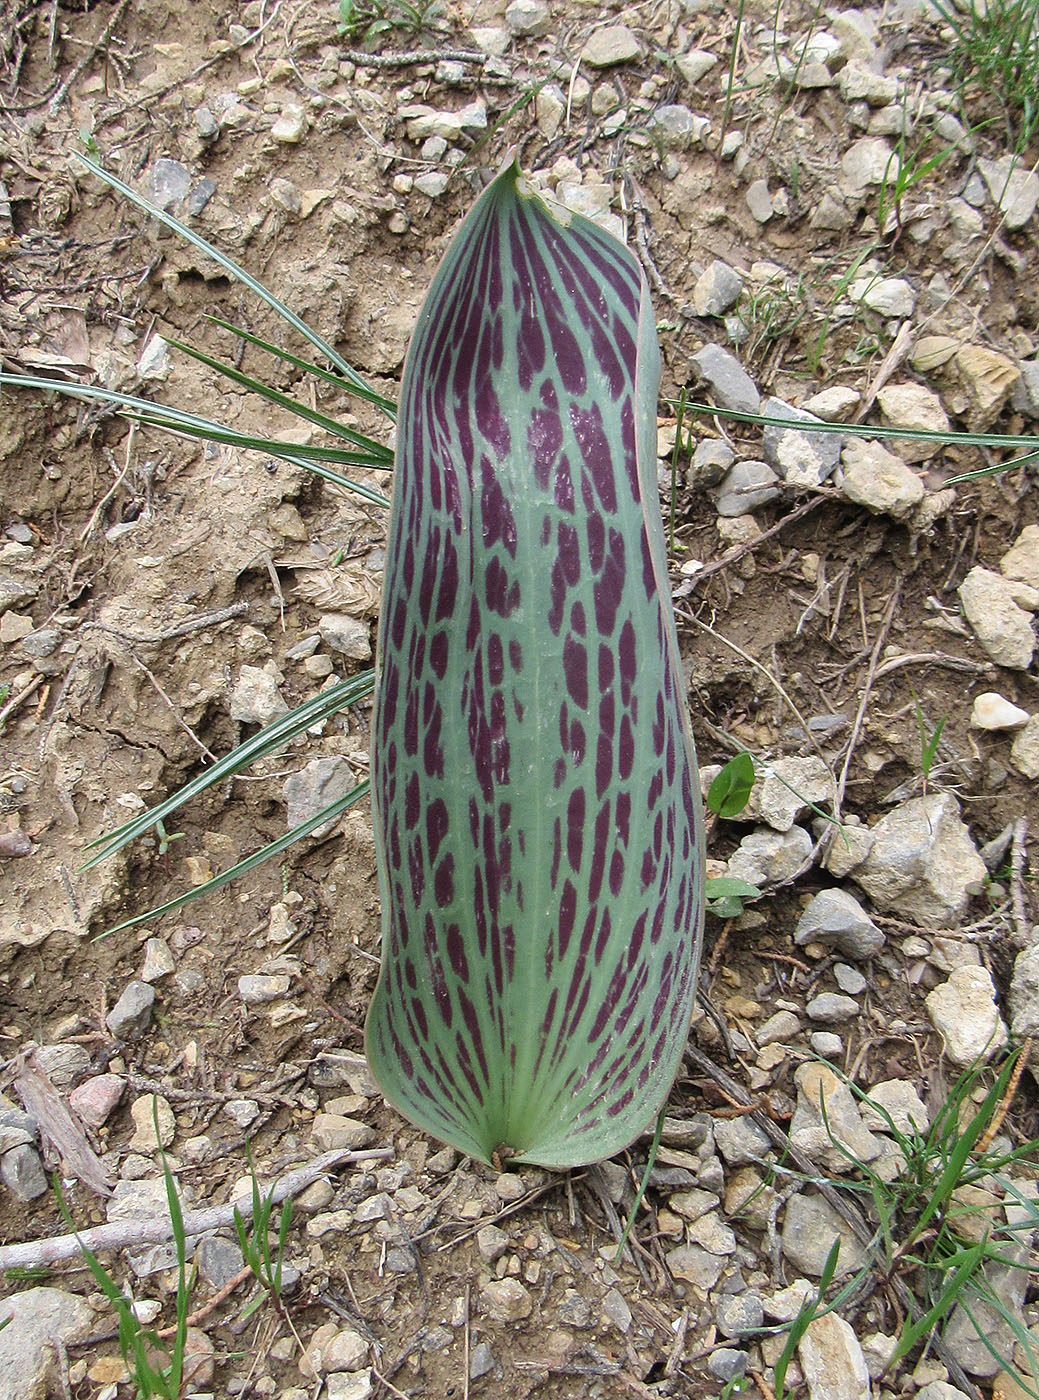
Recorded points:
372,20
156,1371
928,740
994,54
953,1255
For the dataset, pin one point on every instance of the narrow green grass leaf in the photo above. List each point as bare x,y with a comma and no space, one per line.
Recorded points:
173,420
268,852
268,740
336,380
238,273
537,807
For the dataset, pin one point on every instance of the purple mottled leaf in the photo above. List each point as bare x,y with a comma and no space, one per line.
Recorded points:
536,800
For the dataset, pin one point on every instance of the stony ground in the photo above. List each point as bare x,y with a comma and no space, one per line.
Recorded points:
160,600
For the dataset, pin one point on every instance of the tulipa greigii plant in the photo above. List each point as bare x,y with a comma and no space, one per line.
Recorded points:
536,800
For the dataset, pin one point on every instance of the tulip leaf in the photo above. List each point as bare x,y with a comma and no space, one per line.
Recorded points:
537,805
730,792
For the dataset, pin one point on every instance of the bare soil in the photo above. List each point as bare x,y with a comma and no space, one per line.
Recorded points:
122,713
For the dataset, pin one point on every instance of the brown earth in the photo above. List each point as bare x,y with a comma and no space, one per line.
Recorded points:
119,713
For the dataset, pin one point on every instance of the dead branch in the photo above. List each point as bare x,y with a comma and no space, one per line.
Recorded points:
157,1229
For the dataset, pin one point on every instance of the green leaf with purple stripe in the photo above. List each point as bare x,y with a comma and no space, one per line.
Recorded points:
537,806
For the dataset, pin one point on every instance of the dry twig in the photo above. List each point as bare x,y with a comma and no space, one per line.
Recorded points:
124,1234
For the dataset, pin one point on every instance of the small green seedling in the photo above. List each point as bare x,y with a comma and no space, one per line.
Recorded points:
928,742
157,1371
725,896
256,1247
730,791
166,840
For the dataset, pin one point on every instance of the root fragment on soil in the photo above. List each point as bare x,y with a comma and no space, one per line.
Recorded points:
33,1254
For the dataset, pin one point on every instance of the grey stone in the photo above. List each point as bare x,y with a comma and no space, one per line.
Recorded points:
810,1226
316,786
786,788
835,919
730,384
712,458
491,1243
154,362
902,1107
737,1313
131,1016
1024,752
860,83
696,1266
206,124
801,458
913,406
291,126
869,161
36,1317
285,194
333,1132
922,863
827,1044
1021,561
481,1361
432,185
259,988
218,1260
769,857
709,1232
782,1026
22,1173
13,593
346,635
256,698
16,1128
827,1119
615,1309
832,1362
974,1332
242,1112
611,45
528,18
717,289
168,183
158,961
877,479
574,1310
885,296
678,128
1025,396
1013,187
746,486
727,1363
695,64
832,1006
344,1385
63,1064
41,643
1002,627
1024,994
200,196
759,201
506,1300
740,1141
849,979
963,1011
